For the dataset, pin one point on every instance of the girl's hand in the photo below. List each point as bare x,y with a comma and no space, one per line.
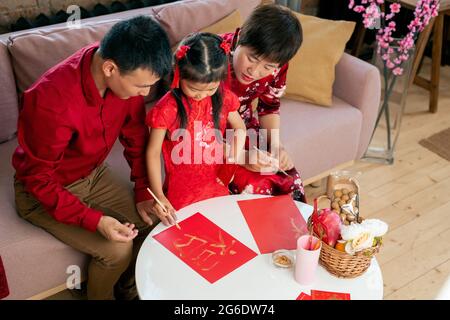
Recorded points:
153,156
167,214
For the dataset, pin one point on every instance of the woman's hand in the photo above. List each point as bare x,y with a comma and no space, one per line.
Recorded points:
261,161
286,162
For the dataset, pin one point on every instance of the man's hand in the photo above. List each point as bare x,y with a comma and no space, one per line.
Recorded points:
113,230
145,208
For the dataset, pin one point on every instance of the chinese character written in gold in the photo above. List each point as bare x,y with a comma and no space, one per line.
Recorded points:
206,254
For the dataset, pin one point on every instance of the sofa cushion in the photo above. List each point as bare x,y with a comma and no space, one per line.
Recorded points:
35,52
26,249
8,97
336,129
311,72
57,42
176,18
227,24
39,263
33,259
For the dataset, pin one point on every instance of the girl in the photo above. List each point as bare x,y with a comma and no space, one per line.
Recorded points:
188,124
260,52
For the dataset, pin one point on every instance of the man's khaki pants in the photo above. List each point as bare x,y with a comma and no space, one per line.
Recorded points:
111,269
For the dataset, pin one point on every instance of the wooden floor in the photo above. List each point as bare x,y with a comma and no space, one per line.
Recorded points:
413,197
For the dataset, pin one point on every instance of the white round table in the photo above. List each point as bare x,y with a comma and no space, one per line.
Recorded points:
162,275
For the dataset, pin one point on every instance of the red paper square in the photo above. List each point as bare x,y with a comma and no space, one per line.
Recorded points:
304,296
328,295
275,222
205,247
4,290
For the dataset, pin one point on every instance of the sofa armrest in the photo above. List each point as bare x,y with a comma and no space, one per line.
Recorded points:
358,83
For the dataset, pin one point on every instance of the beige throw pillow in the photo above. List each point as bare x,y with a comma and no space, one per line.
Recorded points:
312,71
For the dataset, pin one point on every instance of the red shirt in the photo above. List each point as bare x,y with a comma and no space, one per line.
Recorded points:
66,130
267,90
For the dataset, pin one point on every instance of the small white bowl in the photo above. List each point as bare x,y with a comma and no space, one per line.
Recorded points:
283,258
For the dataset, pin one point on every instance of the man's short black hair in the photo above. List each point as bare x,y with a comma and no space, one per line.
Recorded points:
273,32
139,42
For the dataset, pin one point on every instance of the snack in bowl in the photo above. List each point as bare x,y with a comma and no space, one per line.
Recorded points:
282,258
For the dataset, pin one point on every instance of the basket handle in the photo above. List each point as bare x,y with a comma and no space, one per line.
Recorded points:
357,196
316,210
321,198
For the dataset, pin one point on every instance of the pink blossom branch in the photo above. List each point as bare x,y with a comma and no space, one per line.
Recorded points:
370,9
393,57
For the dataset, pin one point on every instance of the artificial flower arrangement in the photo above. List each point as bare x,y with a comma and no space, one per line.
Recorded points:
364,235
350,238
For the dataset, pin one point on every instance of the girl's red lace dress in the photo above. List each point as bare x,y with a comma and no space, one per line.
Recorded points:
191,162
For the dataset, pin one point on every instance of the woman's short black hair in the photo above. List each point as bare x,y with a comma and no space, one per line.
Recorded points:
273,32
139,42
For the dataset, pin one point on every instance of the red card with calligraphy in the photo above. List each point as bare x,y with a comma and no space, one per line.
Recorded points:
205,247
275,222
328,295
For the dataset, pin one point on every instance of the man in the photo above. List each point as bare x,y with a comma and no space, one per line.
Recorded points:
69,122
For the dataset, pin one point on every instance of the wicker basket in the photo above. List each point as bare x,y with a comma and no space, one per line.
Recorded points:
343,265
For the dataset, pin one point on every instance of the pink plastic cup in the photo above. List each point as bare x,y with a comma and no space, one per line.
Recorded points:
306,260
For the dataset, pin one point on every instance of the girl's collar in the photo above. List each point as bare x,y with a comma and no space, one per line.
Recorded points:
193,102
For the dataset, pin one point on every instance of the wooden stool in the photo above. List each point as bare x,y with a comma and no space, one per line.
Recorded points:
436,26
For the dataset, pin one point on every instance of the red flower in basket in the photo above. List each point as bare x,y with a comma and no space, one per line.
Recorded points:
327,225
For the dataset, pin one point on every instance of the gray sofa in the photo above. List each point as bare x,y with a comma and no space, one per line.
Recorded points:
319,139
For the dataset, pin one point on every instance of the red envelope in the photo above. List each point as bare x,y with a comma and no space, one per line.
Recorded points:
328,295
205,247
304,296
275,222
